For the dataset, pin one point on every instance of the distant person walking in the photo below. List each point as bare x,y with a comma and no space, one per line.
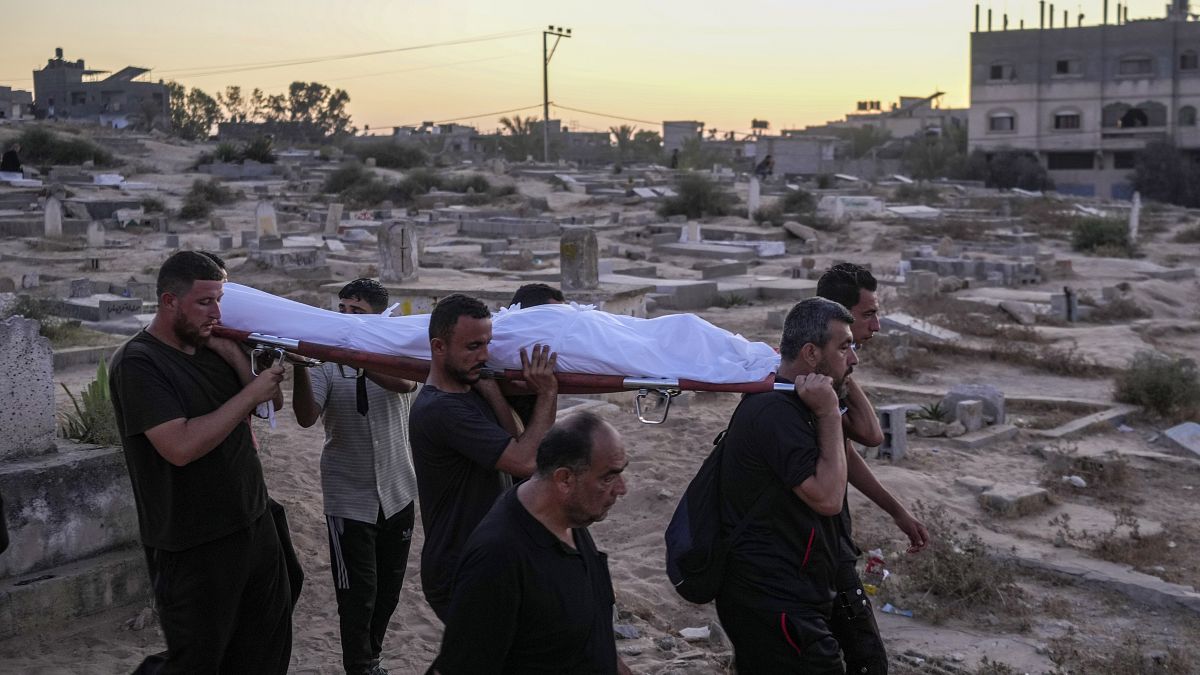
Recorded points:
675,158
11,161
765,168
368,485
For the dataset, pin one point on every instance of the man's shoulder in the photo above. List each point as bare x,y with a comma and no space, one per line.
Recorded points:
140,347
771,403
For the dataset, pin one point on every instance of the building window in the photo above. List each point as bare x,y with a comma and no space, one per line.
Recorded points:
1136,65
1067,120
1070,161
1002,122
1063,67
1124,160
1002,72
1187,116
1189,60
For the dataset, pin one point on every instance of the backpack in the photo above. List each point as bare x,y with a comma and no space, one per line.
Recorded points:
696,549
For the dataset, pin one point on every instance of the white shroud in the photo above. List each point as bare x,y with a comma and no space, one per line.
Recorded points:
587,340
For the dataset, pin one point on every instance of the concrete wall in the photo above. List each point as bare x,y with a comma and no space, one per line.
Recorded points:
798,155
675,134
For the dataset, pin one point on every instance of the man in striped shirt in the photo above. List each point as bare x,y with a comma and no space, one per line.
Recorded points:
368,484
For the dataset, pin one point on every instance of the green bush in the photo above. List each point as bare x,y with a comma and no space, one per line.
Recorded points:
1189,235
421,181
43,147
93,420
390,154
470,183
226,152
697,196
259,150
205,194
920,194
1166,386
153,205
798,201
346,176
1102,236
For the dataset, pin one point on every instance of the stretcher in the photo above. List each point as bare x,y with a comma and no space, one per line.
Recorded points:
597,352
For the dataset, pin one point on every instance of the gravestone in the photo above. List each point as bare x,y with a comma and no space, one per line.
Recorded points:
991,398
1135,216
922,283
264,216
333,219
53,218
894,425
81,288
26,391
225,242
217,223
95,235
397,252
172,241
579,256
969,413
690,234
754,198
114,310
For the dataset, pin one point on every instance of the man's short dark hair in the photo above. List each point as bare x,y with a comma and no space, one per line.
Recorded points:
184,268
532,295
844,282
215,258
809,322
369,291
569,444
447,311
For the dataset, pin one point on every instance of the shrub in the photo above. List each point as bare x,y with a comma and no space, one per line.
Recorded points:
226,152
420,181
205,194
390,154
93,420
153,205
1102,236
60,332
920,194
346,176
697,196
798,201
260,150
1166,386
766,215
470,183
1189,235
1119,310
41,146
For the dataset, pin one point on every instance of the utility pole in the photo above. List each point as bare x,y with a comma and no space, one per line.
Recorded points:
548,53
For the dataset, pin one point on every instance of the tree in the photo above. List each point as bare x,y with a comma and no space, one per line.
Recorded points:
943,156
519,142
646,146
237,107
696,155
1008,168
193,113
624,137
1164,174
863,139
314,103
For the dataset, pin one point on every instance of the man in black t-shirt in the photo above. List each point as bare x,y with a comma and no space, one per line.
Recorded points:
182,401
783,472
533,594
463,435
854,623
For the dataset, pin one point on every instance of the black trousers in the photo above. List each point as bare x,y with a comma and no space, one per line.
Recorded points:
224,606
368,561
854,626
773,643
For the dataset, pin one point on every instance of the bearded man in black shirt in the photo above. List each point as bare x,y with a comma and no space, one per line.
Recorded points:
182,400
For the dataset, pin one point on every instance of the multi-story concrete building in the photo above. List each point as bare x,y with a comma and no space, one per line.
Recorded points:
910,116
15,104
69,90
1086,99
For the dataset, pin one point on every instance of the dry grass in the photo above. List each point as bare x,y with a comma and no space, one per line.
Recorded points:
1130,656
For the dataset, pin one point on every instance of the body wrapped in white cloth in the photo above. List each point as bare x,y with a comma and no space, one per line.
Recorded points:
587,340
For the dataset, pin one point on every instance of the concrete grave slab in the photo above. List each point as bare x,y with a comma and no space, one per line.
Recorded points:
1185,436
908,324
716,251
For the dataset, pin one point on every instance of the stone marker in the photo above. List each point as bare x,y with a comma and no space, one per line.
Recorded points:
893,424
113,310
1014,501
333,219
690,234
268,225
990,397
1135,217
922,284
948,249
95,235
926,428
81,288
579,256
30,280
172,241
335,246
1186,436
754,198
397,252
970,414
26,391
908,324
1065,305
225,242
1021,312
53,218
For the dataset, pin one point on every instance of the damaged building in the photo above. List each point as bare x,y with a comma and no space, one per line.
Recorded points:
1086,99
70,90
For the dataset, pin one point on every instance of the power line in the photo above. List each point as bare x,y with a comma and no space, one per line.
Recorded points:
599,114
470,117
336,80
206,71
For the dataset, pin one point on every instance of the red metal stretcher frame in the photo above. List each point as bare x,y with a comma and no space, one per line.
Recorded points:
417,370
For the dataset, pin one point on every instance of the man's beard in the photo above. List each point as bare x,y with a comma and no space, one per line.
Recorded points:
467,377
187,333
839,386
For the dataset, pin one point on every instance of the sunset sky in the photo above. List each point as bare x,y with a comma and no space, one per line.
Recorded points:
791,62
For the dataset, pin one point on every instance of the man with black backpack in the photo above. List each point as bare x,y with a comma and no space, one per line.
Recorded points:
782,486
